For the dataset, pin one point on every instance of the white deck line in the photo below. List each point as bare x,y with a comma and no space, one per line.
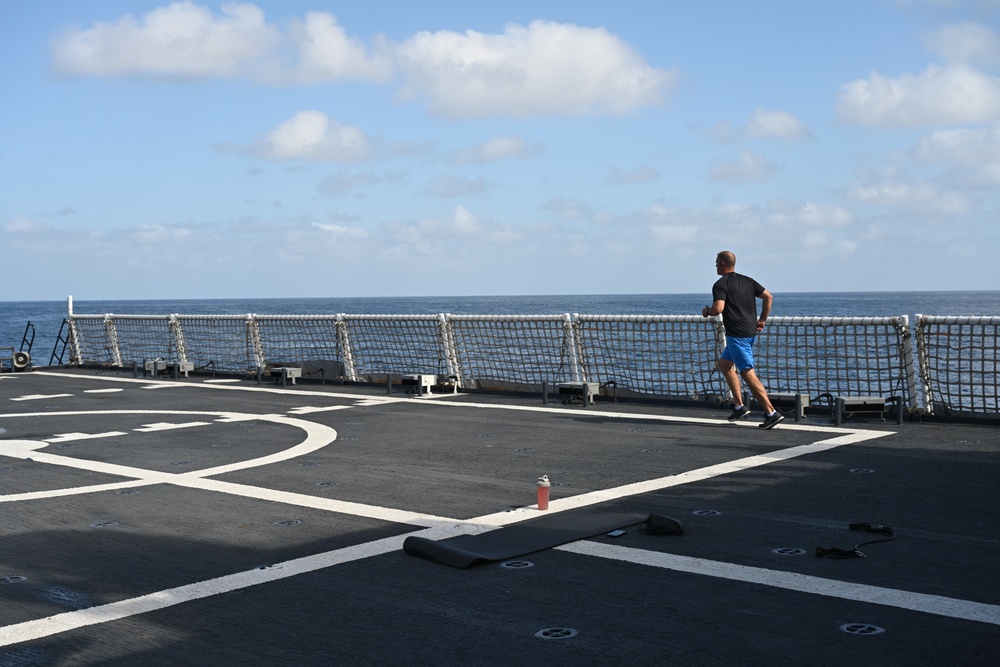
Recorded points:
793,581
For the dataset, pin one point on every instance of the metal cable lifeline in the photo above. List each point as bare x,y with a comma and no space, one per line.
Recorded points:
954,369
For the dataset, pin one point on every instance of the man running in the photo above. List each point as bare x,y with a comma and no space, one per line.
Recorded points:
735,296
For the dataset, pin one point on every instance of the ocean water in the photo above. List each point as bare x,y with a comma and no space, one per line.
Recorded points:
46,316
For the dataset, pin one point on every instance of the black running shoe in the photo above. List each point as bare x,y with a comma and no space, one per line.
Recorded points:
772,421
741,412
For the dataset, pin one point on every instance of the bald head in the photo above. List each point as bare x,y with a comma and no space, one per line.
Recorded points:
727,259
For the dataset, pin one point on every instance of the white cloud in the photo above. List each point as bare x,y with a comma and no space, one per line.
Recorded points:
313,136
456,186
542,69
940,95
892,194
972,155
762,124
747,168
410,148
964,146
724,132
495,148
775,125
342,183
641,174
671,234
327,53
23,225
342,232
808,214
568,209
791,222
966,43
983,177
893,189
459,239
815,239
181,40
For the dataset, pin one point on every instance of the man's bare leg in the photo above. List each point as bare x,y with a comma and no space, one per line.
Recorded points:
732,379
757,389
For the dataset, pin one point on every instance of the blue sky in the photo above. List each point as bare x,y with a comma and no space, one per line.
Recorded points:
310,149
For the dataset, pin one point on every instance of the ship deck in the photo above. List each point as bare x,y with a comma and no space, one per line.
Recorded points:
221,521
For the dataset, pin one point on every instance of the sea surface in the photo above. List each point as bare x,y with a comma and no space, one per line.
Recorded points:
46,317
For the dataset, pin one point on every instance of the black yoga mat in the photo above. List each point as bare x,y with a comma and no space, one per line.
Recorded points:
522,538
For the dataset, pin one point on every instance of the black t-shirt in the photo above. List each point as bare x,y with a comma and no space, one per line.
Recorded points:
740,294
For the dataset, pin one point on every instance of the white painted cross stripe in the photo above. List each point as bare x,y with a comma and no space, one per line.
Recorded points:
67,437
39,397
45,627
166,426
308,409
793,581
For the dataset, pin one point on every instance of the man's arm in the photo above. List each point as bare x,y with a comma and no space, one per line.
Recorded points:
715,309
765,308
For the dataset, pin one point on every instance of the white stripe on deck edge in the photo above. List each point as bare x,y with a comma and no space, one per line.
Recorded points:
166,426
51,625
72,620
793,581
39,397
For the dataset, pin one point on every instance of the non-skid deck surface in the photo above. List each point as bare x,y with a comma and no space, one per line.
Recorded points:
197,522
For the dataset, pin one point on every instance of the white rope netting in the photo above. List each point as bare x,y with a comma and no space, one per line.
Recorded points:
646,355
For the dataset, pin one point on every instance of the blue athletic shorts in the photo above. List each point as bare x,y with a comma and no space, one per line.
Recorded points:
740,352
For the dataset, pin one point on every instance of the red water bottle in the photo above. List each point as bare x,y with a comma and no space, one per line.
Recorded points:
543,492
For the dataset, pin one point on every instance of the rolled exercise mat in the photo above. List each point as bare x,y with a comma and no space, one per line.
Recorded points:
518,539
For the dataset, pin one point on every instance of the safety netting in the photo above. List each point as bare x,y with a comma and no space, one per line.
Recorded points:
954,369
290,340
826,357
90,341
224,343
959,362
655,355
513,350
383,346
143,337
